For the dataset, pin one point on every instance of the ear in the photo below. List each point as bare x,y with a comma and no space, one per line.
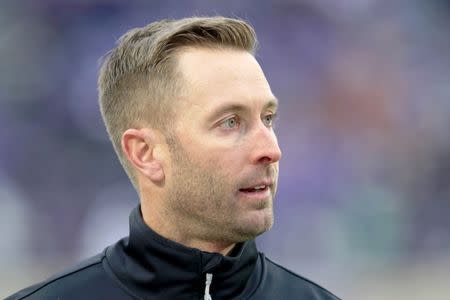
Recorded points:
139,145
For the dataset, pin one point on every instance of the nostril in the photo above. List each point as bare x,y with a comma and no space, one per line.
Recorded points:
267,159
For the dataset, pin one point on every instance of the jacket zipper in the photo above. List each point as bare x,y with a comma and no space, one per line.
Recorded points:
207,285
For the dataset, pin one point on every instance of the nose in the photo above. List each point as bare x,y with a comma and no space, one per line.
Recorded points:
265,149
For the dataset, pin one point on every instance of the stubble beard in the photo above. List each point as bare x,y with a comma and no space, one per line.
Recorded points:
205,206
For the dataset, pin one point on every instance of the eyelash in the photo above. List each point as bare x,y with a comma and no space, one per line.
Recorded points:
273,117
223,124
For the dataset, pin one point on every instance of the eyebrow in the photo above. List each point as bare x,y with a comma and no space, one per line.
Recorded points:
238,107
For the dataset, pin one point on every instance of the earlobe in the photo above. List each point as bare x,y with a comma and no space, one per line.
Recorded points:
139,147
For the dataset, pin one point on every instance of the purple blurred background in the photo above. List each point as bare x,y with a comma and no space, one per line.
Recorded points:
363,205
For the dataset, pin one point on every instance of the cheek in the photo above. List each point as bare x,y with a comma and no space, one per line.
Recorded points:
221,160
224,156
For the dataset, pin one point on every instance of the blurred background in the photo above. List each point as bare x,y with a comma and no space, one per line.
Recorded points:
363,206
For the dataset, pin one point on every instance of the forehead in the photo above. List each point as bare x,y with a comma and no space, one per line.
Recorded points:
213,77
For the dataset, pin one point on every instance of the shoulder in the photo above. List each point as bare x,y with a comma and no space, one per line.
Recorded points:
282,280
87,280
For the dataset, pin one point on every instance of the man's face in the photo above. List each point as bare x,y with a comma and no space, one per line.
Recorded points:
225,153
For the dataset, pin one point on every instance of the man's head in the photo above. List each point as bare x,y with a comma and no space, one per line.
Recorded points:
138,81
190,114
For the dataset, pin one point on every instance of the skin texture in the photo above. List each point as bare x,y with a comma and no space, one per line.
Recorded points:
222,141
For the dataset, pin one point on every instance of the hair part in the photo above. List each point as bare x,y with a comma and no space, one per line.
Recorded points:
138,79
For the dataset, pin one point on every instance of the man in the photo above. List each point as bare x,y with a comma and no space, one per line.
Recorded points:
190,114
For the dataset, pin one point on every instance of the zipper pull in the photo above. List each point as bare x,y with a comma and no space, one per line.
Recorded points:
207,285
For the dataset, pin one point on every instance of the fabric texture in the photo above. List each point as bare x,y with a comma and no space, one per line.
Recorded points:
146,265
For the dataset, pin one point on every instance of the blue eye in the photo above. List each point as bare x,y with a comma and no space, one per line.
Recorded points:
231,123
268,120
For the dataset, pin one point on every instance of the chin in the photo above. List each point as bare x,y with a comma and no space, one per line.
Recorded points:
254,226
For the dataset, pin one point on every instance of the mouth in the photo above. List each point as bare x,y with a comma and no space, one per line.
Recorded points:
255,189
257,192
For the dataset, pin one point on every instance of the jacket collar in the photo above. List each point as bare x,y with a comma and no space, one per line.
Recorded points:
150,266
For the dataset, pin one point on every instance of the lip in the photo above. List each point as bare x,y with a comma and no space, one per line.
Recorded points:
257,195
263,194
267,182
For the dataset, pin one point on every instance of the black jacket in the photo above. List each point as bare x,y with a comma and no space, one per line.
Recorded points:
145,265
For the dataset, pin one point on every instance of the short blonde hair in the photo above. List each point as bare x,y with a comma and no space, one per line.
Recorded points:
138,77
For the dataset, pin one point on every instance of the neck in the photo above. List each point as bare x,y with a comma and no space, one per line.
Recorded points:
188,241
168,228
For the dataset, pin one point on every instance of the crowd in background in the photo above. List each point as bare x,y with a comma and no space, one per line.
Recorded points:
364,122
